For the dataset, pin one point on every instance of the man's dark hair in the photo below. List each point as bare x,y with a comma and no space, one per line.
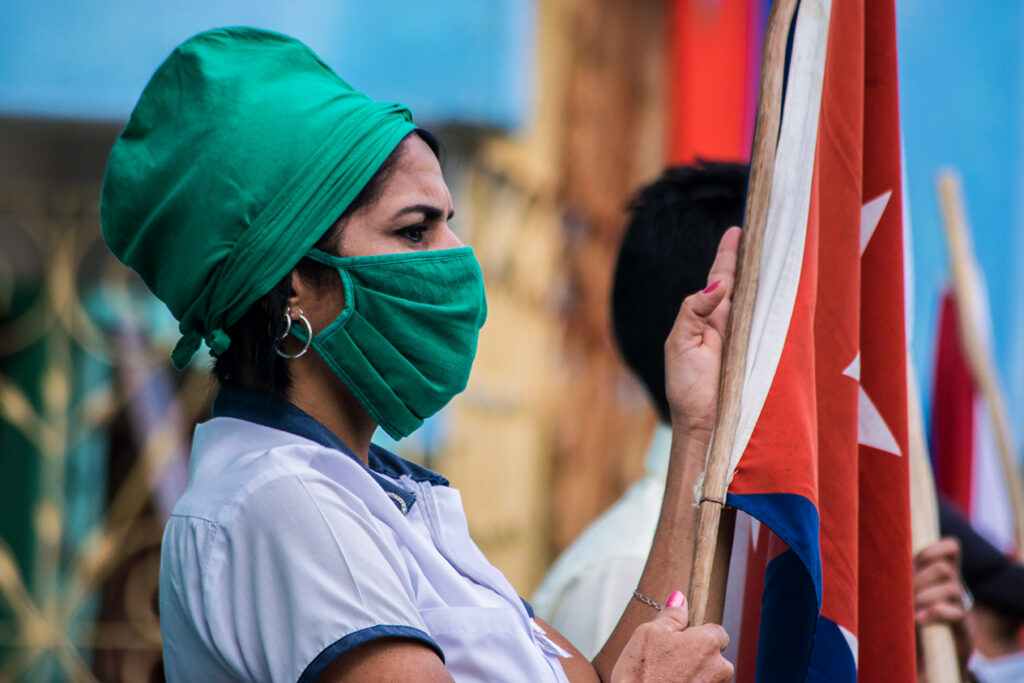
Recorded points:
251,360
993,578
675,224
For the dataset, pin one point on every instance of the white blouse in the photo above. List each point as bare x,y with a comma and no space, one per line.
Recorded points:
286,551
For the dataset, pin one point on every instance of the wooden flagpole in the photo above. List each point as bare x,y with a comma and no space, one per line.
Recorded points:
716,472
938,649
979,361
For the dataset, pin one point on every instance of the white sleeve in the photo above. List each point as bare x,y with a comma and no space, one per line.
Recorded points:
592,603
307,575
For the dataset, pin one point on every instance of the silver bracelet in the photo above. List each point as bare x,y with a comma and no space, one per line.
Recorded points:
647,601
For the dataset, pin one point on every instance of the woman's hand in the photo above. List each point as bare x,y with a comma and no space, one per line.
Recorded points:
693,354
665,649
693,351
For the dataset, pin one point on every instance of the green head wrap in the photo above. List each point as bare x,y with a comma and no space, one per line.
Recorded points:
242,151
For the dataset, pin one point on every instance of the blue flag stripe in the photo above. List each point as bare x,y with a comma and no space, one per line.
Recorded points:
792,518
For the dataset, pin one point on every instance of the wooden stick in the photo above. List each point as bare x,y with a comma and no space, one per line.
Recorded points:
938,649
716,473
979,360
720,574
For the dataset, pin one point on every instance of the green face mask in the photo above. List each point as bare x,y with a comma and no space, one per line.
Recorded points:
405,341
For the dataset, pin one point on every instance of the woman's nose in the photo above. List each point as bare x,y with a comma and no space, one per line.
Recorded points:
449,240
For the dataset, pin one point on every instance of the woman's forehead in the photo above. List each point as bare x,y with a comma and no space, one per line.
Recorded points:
416,180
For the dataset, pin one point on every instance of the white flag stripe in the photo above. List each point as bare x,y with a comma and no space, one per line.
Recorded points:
851,641
736,583
981,308
990,500
786,230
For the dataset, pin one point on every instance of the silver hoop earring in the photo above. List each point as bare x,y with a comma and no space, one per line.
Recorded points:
287,325
309,337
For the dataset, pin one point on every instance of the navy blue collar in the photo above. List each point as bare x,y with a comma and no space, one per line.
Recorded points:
277,413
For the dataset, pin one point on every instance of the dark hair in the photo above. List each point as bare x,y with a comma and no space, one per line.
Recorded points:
251,360
670,242
1005,625
993,578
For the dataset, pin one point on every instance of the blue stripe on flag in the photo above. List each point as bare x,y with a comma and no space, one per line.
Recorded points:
792,518
789,615
831,660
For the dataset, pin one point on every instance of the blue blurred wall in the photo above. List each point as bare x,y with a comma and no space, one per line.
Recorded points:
462,61
962,100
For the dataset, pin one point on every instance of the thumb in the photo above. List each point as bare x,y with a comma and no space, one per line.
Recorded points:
676,614
703,303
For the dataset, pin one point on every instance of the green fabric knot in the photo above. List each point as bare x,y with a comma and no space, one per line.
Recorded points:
185,349
218,341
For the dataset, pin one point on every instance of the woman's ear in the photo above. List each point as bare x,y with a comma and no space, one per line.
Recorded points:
320,299
294,296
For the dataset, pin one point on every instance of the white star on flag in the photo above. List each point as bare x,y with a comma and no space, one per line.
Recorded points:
870,214
871,428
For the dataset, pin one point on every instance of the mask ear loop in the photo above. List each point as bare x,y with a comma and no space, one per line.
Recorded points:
287,329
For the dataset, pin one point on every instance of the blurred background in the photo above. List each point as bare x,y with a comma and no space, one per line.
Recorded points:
551,112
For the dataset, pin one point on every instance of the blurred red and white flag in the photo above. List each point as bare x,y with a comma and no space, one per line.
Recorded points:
963,445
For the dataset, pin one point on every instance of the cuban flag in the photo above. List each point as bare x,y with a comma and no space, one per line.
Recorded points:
963,444
819,461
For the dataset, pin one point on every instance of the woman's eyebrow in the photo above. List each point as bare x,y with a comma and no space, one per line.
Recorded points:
430,213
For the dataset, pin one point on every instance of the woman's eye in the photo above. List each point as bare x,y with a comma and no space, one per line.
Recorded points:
413,233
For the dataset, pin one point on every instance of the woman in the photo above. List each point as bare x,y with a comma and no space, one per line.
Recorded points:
300,229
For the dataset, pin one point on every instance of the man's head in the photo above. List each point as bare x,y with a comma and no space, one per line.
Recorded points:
995,581
675,224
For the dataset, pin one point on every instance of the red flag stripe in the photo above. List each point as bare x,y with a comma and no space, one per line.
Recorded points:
887,644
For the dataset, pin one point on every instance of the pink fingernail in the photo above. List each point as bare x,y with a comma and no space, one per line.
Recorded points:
676,599
712,287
